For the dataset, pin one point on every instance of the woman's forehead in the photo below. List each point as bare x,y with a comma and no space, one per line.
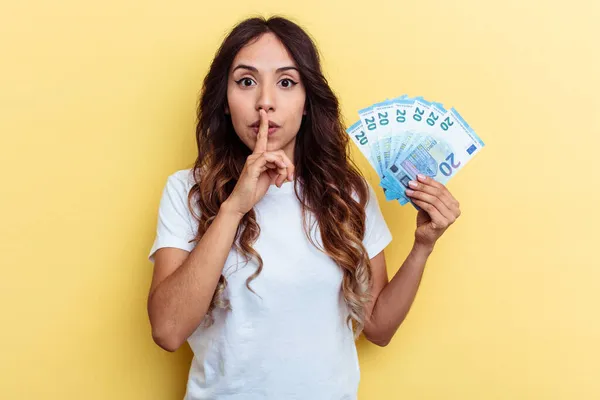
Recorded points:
266,54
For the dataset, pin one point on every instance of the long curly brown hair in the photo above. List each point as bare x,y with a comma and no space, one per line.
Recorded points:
327,175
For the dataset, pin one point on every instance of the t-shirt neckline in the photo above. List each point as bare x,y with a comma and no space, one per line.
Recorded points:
286,187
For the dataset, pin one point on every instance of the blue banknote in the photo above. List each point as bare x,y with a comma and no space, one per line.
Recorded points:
406,136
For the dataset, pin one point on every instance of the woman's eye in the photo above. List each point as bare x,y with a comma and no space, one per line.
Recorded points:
245,82
287,83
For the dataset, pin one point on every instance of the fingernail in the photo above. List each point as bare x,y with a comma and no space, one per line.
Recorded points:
413,184
409,192
421,177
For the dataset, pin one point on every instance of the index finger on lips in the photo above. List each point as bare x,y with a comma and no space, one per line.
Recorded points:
263,133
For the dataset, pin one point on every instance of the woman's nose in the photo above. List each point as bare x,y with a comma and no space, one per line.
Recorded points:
266,99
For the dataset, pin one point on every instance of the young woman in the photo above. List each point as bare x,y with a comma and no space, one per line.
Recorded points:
268,257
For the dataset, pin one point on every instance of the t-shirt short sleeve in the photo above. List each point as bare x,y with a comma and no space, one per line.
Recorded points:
175,226
377,233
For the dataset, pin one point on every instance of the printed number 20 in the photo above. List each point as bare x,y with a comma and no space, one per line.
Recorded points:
362,139
370,123
447,167
401,115
383,118
418,115
446,124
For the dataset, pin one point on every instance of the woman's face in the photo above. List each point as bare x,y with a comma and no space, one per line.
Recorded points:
264,75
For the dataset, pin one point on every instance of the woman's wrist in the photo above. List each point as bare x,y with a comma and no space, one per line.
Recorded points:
229,211
424,249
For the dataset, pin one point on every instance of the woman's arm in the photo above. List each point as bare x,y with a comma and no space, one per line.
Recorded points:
184,282
392,300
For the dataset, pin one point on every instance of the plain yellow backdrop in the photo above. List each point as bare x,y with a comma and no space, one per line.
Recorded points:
97,103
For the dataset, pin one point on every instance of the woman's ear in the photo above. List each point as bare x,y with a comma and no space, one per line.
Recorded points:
226,109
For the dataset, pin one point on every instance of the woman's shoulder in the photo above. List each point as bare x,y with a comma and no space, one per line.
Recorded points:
182,180
177,189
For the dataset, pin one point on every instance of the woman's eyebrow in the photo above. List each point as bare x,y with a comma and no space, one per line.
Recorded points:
251,68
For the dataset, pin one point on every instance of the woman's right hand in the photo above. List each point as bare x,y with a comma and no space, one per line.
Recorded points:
262,169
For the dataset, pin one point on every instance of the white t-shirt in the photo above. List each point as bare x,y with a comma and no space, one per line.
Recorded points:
293,342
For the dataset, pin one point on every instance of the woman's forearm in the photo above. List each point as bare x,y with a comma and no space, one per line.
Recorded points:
396,298
179,303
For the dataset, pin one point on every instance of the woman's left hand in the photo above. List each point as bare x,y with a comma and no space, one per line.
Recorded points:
439,209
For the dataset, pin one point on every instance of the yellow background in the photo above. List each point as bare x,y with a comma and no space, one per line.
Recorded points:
97,103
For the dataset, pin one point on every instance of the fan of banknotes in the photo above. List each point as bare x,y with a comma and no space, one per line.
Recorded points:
405,136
